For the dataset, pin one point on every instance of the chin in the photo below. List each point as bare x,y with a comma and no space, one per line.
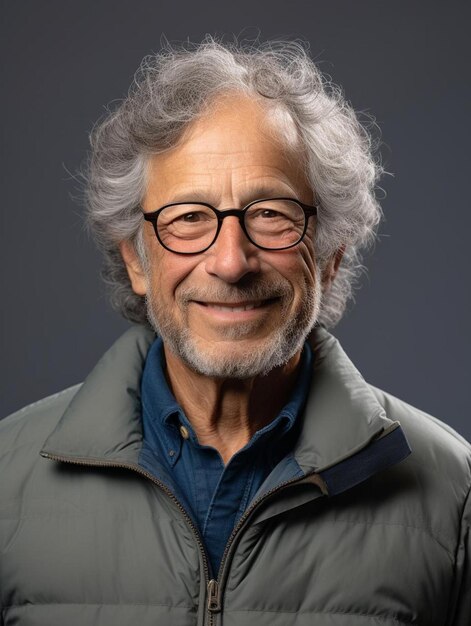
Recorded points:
235,359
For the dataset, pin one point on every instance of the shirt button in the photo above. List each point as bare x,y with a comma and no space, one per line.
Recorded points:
184,432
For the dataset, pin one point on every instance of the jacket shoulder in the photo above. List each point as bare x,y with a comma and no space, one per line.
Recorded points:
435,445
29,427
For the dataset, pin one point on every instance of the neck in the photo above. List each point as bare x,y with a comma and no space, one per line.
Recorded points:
225,413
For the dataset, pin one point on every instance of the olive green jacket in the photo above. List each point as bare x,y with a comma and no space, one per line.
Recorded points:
373,534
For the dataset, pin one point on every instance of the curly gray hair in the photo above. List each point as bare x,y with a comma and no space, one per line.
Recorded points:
171,89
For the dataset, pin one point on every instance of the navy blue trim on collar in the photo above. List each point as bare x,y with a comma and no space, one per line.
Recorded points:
378,455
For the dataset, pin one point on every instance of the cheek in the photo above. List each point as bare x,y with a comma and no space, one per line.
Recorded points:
299,266
169,271
309,261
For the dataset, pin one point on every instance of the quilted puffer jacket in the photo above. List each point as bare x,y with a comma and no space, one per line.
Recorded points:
376,532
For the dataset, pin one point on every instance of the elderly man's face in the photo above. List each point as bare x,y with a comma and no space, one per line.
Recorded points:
234,310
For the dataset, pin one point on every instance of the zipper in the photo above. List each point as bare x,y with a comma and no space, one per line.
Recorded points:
166,490
214,600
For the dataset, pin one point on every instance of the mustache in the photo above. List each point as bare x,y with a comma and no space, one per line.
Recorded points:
255,289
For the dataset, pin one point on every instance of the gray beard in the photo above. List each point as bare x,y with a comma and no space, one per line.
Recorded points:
277,349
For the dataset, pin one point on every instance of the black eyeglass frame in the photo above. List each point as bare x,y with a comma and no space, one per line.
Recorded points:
308,210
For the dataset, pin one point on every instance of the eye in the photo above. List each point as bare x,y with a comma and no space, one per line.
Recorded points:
269,213
192,218
282,212
265,214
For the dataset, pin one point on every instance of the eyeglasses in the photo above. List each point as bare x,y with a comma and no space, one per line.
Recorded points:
193,227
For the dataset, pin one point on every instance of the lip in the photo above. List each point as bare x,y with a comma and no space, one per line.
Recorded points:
235,311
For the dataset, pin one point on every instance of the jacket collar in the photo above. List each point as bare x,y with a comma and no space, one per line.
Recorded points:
103,420
344,414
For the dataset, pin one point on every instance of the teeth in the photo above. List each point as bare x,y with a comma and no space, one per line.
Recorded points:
247,307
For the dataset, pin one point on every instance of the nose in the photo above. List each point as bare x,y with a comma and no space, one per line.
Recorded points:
232,255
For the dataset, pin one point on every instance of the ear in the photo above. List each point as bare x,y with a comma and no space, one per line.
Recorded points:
331,269
134,268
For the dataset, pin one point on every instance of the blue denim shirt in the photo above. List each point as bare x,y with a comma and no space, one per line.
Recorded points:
215,495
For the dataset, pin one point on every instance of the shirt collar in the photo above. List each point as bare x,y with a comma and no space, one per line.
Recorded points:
161,412
156,395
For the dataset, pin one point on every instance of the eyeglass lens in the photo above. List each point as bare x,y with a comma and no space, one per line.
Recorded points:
193,227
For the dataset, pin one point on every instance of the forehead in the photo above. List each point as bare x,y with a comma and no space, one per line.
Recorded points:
236,146
239,117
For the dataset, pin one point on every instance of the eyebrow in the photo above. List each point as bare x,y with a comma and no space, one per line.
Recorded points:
255,194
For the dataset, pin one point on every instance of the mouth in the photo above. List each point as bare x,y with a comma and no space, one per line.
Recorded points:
237,306
233,306
236,310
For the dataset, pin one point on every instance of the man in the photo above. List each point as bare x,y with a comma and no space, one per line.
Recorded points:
225,463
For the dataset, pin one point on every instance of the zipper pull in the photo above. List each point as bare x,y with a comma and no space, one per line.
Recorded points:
214,605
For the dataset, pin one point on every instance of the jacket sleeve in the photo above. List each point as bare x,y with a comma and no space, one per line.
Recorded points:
461,607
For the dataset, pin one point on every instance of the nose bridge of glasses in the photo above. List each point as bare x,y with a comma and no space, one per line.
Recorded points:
237,213
222,214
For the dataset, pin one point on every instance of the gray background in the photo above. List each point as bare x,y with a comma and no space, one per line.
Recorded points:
405,62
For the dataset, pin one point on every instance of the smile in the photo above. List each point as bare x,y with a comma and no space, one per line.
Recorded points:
233,307
236,311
